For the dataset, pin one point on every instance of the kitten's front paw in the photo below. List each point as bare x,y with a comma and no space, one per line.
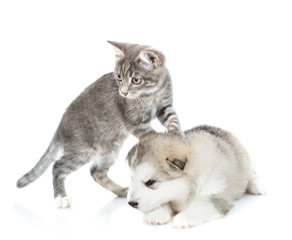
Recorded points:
63,202
158,217
183,221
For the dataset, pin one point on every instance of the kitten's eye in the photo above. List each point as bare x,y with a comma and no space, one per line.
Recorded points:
119,76
150,182
136,80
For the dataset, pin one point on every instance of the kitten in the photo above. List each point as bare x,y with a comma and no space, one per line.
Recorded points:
95,125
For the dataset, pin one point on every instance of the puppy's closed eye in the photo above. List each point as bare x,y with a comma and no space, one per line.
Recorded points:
150,182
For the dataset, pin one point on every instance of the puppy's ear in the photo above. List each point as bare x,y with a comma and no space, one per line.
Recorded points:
135,155
177,164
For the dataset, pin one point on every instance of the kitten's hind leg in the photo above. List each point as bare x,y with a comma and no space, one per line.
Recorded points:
61,169
99,174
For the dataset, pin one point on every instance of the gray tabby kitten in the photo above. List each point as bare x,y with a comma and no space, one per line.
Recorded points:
96,123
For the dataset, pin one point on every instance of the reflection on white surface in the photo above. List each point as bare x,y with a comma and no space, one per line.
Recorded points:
116,219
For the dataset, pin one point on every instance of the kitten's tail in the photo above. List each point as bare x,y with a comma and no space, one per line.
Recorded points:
49,156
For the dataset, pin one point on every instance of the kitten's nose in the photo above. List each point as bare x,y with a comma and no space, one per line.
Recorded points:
133,204
125,93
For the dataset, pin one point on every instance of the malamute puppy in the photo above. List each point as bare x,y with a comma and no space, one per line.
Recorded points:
195,180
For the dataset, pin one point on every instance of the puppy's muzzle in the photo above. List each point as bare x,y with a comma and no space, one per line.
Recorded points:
133,204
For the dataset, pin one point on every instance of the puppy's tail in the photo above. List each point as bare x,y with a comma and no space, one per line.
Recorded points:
254,185
49,156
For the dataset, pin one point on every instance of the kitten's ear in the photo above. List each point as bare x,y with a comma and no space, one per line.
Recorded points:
151,59
120,48
177,164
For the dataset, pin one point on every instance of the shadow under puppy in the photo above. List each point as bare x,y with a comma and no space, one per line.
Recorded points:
195,180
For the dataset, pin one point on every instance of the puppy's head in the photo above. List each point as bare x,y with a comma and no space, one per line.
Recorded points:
157,166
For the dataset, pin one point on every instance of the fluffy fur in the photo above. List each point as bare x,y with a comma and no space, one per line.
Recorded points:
97,122
195,179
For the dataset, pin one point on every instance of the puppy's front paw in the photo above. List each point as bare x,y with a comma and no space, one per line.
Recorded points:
63,202
183,221
158,217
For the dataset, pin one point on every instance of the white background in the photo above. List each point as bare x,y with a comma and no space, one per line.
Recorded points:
230,63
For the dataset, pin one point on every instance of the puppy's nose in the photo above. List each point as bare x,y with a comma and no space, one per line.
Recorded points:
133,204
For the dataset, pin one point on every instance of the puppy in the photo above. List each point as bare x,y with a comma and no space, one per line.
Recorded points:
195,180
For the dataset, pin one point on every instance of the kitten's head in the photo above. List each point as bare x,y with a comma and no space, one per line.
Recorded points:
139,71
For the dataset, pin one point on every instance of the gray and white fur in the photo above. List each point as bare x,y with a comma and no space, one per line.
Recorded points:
193,180
97,122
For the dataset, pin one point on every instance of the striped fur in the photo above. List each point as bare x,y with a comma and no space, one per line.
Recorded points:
96,123
168,118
